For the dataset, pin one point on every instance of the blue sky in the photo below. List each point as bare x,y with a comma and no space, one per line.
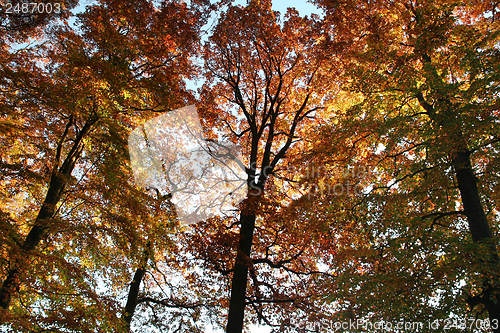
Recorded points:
304,7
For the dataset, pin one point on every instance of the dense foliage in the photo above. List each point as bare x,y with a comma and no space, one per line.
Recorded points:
369,137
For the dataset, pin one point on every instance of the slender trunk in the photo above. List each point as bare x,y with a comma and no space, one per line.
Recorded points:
478,223
135,286
132,296
42,223
240,274
481,233
57,183
450,124
476,218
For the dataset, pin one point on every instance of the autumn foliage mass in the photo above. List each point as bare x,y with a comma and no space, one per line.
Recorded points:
368,134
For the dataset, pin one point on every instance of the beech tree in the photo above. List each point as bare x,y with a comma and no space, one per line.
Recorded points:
68,105
264,86
424,87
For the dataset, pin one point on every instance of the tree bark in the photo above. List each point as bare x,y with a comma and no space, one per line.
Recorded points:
474,211
481,233
240,273
477,221
135,285
132,296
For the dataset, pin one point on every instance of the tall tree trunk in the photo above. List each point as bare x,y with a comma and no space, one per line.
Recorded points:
36,233
135,285
57,183
479,227
473,208
481,233
240,273
132,296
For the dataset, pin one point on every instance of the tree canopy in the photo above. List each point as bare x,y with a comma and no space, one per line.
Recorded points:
367,136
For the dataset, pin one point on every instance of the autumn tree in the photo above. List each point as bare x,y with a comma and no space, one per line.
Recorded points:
424,119
67,108
263,88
